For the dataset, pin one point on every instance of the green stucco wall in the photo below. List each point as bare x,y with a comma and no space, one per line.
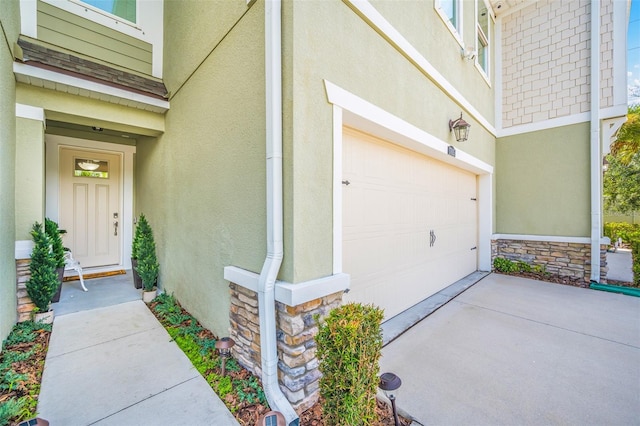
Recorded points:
328,40
10,23
30,163
202,183
542,182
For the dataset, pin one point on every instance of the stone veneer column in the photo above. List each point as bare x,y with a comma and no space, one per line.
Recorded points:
562,259
296,328
25,305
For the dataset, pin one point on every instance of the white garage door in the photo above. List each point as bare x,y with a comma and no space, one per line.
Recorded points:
409,223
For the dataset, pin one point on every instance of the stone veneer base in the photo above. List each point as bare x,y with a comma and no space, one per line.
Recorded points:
296,327
571,260
25,305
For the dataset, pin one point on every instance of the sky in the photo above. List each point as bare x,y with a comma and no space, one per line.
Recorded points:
633,53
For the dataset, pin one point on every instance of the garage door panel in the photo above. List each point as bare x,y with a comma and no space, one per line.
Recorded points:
395,200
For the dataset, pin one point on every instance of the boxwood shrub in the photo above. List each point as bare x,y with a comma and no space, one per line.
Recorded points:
349,345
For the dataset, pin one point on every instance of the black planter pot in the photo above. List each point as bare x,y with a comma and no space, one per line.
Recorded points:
137,281
56,296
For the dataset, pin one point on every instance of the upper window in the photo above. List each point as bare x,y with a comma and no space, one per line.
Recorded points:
125,9
451,13
483,23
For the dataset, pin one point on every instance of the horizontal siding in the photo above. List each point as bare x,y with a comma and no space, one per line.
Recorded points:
77,34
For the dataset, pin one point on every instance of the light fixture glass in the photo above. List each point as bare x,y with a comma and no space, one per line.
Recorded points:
390,383
89,165
460,128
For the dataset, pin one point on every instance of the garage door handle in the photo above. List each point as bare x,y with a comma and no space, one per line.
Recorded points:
432,238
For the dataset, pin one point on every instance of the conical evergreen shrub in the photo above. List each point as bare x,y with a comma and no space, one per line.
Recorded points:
147,267
43,282
55,235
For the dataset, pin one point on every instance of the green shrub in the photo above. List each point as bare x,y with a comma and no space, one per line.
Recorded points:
635,254
627,231
503,265
145,249
55,235
43,282
630,233
349,346
523,266
10,409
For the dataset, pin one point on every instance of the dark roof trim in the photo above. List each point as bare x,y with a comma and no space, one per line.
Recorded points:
54,60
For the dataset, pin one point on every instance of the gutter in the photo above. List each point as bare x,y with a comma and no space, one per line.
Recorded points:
596,159
275,247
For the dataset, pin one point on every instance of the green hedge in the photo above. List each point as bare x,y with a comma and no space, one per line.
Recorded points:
627,231
349,347
635,253
630,233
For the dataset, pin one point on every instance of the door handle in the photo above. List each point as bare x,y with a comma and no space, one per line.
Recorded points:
115,228
432,238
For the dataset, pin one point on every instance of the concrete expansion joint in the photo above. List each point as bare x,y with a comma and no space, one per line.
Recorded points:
145,399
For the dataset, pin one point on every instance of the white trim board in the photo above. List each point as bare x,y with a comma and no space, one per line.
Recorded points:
353,111
23,249
288,293
30,112
569,120
548,238
104,92
371,16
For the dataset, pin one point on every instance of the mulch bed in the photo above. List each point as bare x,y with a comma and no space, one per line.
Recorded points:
313,416
575,282
31,367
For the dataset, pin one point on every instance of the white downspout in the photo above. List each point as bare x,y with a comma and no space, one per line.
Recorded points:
275,250
596,160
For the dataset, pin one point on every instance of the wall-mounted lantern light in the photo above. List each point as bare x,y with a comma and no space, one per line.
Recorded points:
460,128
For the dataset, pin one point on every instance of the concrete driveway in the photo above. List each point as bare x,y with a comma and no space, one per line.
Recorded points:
514,351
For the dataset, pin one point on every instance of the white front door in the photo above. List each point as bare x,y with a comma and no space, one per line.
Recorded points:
89,207
409,223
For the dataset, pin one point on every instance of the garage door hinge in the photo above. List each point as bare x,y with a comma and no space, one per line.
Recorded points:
474,199
474,248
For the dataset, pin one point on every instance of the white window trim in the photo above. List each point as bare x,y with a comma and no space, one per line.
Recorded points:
487,37
77,7
456,32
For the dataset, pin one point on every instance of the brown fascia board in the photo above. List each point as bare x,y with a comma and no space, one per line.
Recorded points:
65,63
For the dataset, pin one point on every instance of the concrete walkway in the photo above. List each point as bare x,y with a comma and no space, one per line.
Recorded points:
514,351
620,265
116,365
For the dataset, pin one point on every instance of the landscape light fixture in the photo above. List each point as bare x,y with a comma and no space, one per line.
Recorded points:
390,383
224,346
460,128
272,418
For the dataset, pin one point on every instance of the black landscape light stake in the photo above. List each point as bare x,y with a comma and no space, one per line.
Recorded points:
389,383
224,346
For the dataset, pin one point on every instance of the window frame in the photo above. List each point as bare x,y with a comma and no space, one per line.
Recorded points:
85,10
456,30
97,9
480,37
